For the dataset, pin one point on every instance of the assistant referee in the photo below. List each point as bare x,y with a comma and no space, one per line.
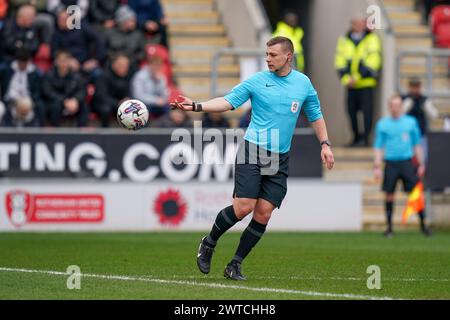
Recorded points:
261,167
397,141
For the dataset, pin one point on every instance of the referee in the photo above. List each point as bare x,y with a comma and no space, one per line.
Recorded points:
397,140
261,166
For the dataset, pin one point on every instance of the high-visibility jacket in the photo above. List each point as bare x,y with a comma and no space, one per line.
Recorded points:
295,35
361,61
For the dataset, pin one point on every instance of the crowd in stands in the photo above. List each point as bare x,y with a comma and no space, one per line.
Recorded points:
67,62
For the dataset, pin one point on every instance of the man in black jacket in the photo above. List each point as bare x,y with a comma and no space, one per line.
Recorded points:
21,79
85,45
125,37
112,87
64,92
421,107
20,34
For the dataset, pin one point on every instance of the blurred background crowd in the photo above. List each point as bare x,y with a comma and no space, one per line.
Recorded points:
71,63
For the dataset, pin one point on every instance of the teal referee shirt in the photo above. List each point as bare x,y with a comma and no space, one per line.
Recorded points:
397,137
276,104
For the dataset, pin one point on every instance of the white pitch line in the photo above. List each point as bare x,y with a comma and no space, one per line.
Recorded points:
330,278
201,284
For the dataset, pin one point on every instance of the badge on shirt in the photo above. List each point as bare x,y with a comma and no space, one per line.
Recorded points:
294,106
405,137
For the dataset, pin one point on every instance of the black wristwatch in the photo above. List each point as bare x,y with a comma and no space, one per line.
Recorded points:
197,107
327,142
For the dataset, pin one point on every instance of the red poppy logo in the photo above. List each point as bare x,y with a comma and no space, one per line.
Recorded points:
170,207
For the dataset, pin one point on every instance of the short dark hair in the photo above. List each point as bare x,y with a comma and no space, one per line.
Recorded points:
22,55
285,42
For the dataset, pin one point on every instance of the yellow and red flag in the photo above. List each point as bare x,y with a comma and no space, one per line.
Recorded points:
416,202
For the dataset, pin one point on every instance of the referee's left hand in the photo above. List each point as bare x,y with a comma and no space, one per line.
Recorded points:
182,102
327,157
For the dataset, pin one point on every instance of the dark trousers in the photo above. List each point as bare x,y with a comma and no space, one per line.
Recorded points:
361,100
105,110
56,114
156,111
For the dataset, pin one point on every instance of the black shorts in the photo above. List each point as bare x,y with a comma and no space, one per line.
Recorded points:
399,170
260,174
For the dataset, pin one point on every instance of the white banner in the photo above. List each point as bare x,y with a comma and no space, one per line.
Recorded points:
310,205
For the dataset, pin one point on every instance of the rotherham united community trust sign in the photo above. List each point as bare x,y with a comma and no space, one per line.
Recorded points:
23,208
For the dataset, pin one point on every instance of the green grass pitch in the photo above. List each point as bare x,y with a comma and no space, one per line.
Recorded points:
282,266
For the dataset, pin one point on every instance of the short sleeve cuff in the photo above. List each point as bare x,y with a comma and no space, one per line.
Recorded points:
229,98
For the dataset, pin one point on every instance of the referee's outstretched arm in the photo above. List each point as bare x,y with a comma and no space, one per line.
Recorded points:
213,105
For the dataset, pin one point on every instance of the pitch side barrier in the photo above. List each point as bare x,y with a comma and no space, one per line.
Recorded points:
438,171
116,155
114,180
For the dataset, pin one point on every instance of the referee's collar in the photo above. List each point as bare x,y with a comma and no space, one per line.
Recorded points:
290,72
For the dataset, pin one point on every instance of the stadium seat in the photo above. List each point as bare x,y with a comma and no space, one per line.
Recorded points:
440,25
90,90
43,58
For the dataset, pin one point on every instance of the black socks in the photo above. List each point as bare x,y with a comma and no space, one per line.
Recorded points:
389,209
224,221
249,239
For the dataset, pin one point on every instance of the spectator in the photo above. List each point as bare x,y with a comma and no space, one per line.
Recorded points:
101,13
79,43
20,79
289,28
53,6
420,107
44,22
215,120
14,5
20,33
21,114
125,37
63,92
358,62
176,118
151,19
112,87
149,85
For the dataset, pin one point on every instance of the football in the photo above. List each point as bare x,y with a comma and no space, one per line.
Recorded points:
132,114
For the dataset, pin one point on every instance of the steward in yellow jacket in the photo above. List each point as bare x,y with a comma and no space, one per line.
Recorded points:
289,28
358,62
